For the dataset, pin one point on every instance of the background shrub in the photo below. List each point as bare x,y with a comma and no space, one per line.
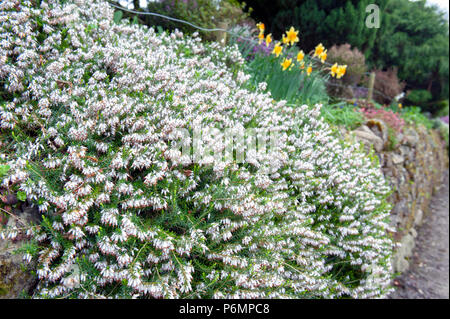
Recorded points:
387,86
353,58
442,108
418,97
356,67
203,13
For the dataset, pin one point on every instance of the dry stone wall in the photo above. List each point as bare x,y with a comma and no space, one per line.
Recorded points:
414,167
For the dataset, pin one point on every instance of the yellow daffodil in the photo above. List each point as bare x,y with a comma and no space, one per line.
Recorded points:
261,27
291,36
285,40
309,70
319,49
334,70
261,37
278,49
300,56
268,39
323,56
286,64
341,71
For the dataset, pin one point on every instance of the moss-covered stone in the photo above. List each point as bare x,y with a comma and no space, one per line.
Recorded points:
16,278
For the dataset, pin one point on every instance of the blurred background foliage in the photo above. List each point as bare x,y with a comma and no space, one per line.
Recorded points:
208,14
413,37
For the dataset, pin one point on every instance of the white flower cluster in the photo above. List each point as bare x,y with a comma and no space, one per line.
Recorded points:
90,108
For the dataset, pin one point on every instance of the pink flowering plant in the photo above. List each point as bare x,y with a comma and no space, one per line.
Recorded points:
391,118
91,114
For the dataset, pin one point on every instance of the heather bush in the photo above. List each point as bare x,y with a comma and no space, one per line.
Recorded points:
387,86
90,115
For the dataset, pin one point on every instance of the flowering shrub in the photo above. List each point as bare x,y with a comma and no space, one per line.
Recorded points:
392,119
89,117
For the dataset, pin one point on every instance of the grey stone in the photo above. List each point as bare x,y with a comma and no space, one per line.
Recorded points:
379,128
397,159
400,137
401,255
365,135
364,128
418,219
400,208
411,137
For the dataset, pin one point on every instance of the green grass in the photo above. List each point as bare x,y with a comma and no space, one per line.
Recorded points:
342,114
412,115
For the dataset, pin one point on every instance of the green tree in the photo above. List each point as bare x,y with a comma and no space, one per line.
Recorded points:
415,38
327,21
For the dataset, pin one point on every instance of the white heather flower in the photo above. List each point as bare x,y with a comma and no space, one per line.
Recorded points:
114,182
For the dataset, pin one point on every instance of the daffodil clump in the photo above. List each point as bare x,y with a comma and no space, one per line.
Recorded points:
89,113
289,39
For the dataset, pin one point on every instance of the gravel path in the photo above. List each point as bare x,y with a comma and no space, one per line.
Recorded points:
428,275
